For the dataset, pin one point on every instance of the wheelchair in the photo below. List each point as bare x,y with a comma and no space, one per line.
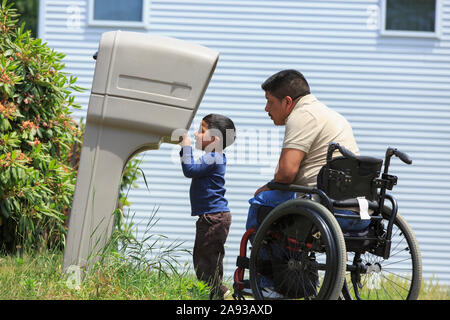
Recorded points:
343,239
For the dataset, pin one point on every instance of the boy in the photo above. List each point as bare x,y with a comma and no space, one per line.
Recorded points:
207,195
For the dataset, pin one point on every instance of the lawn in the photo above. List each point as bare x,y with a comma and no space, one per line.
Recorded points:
39,276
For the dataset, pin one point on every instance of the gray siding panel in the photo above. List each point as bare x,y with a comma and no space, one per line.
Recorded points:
395,91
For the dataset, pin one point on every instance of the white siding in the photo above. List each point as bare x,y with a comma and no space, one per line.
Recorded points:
395,91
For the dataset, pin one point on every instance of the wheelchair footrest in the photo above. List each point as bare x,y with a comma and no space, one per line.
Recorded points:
242,262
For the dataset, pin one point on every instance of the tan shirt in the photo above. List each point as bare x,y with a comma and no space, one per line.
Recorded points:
310,127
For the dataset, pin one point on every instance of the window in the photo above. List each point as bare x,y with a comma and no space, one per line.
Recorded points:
118,13
417,18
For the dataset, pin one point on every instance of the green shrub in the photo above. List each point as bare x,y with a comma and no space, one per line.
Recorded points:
36,138
28,14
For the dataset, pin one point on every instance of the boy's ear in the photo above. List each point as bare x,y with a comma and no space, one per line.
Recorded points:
217,143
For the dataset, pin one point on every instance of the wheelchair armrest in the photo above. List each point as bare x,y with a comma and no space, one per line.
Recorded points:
353,202
290,187
307,190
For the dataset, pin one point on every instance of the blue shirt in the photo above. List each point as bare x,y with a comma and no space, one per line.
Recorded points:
207,192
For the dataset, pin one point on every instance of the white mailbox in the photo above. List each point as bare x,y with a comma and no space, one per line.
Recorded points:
144,88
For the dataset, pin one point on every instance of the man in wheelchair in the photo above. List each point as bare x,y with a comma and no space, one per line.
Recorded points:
309,127
297,222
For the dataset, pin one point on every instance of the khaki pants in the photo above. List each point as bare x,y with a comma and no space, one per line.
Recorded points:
209,250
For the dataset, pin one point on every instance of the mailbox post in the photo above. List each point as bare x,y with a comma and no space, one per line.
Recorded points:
144,88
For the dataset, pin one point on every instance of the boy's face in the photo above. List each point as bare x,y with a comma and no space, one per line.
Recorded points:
202,137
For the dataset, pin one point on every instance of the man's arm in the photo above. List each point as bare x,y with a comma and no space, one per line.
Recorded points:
288,165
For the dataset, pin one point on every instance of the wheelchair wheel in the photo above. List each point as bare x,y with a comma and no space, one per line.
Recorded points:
298,253
397,278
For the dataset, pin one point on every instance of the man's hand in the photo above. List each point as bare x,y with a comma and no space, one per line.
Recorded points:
186,141
263,188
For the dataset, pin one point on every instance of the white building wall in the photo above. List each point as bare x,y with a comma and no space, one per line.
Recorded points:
395,91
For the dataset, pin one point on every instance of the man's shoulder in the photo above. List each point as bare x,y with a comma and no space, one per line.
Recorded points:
305,114
320,111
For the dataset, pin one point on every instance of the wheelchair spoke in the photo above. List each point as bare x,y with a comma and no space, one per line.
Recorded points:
386,292
395,262
399,252
397,275
395,285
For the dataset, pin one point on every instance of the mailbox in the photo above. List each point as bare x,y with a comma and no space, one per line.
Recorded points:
144,87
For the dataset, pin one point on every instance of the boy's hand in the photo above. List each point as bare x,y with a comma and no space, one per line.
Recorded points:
186,141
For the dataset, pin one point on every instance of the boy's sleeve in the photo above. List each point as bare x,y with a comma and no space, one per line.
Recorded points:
192,169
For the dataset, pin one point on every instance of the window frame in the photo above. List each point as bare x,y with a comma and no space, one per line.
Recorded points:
411,33
119,23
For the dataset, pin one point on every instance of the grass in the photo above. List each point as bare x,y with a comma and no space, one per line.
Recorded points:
128,269
432,290
40,276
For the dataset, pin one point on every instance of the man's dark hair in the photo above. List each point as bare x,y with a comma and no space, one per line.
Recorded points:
287,83
224,125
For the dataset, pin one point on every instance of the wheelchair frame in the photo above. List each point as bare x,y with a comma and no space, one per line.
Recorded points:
375,244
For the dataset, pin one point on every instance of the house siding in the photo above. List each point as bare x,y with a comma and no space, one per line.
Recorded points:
395,91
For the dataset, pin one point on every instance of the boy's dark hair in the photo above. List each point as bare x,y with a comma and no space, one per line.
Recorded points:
224,125
287,83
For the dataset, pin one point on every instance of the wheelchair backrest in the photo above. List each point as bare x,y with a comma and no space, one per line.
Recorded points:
344,178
